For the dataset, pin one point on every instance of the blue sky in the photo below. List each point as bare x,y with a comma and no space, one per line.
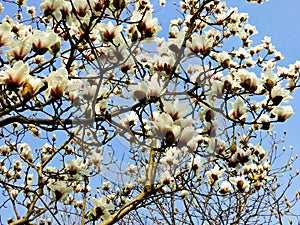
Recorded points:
279,19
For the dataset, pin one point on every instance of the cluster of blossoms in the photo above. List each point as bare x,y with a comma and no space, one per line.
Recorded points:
87,73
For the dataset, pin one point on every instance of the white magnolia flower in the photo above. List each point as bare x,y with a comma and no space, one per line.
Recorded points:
269,78
239,109
225,187
57,82
279,95
26,151
16,76
52,7
17,50
76,169
129,120
60,190
42,41
248,80
223,58
164,128
4,150
166,178
109,31
265,122
82,8
186,135
6,37
240,182
214,176
101,209
283,112
171,158
175,110
132,169
196,163
139,91
152,87
200,44
148,28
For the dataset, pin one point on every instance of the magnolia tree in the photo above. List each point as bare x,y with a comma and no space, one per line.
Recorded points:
103,121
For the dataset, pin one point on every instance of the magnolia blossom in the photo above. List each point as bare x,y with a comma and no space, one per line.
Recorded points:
101,209
225,187
17,165
282,112
82,8
166,178
231,85
241,53
148,28
269,78
139,91
132,169
129,120
163,64
250,29
16,76
4,150
31,86
17,50
152,88
214,176
200,44
106,186
163,127
42,41
186,135
171,158
258,150
6,37
279,95
240,183
239,109
25,151
60,190
109,31
248,80
196,163
175,110
199,74
216,91
76,169
223,59
265,122
101,106
240,156
213,33
73,88
57,82
52,7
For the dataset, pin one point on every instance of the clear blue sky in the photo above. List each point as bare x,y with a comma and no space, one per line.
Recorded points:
279,19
